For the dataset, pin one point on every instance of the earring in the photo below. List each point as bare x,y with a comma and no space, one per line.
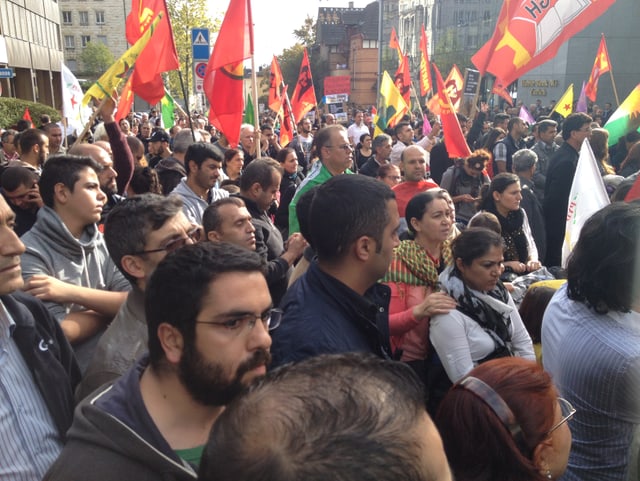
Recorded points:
548,474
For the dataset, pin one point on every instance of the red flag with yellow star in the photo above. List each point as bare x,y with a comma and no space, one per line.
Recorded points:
454,139
600,65
528,34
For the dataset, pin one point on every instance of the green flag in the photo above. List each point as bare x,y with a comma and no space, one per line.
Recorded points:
249,115
167,104
625,118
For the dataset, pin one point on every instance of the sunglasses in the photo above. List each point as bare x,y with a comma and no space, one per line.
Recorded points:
193,235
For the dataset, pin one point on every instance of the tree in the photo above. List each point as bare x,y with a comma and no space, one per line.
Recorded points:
448,52
307,32
186,15
96,58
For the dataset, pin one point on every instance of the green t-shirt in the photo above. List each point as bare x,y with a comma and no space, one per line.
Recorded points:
191,455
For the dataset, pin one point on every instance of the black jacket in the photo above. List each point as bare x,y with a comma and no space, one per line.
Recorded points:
48,355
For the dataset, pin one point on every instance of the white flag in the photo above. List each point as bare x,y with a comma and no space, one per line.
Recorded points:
588,195
77,115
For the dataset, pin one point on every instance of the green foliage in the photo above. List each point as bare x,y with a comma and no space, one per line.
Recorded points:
186,15
448,52
12,110
307,32
96,58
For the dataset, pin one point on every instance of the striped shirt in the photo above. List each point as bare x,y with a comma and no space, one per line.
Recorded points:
29,440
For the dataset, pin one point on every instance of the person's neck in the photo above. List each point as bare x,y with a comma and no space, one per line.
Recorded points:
199,191
183,422
574,144
432,247
502,211
71,222
332,170
348,273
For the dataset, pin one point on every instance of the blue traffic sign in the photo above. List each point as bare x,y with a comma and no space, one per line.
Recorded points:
200,43
6,73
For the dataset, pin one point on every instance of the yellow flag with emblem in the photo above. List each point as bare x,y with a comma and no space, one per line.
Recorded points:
120,70
564,106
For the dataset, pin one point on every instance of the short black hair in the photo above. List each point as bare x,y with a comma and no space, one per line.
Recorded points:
177,287
211,220
260,171
63,169
14,177
345,208
574,122
31,137
200,152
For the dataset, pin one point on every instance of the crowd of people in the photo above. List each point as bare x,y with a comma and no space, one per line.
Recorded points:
173,306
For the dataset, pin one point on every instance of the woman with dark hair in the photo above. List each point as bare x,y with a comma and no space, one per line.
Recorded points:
485,324
145,179
493,137
505,422
413,277
363,151
292,176
464,183
503,200
591,345
232,164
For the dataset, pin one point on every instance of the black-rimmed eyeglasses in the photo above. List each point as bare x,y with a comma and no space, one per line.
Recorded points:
193,234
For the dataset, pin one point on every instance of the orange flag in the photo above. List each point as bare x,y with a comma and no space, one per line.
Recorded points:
425,69
393,43
501,90
223,84
454,84
158,56
126,99
528,34
402,79
304,95
600,65
286,126
275,86
454,139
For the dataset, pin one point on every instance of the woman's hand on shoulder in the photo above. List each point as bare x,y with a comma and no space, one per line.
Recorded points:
516,266
434,304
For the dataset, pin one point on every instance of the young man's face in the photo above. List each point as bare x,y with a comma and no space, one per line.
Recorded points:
87,199
207,174
228,352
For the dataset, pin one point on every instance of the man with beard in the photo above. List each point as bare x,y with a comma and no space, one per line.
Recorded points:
205,346
34,150
302,144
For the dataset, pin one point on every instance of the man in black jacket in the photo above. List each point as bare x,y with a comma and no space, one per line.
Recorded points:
38,373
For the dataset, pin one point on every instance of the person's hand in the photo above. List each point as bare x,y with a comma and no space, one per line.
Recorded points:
533,266
433,304
47,288
516,266
107,109
296,244
466,198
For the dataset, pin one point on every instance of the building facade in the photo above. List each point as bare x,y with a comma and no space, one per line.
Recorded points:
30,43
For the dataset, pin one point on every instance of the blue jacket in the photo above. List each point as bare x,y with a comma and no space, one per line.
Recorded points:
324,316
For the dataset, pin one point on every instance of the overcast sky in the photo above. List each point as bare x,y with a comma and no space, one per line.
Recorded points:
275,20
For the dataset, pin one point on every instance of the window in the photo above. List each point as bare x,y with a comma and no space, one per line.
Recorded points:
102,39
85,39
84,18
69,42
99,18
67,18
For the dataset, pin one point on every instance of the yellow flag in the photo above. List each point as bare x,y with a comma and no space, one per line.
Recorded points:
564,106
392,106
120,70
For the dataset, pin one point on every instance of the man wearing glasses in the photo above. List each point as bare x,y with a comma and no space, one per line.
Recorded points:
336,156
209,314
66,263
562,168
139,233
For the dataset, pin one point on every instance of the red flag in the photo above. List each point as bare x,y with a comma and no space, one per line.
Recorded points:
304,95
454,84
158,56
235,38
275,87
27,116
402,79
454,139
393,43
226,107
223,82
286,126
501,90
600,65
126,99
528,34
425,69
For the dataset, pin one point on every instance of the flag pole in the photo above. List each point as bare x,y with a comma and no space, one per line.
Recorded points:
186,102
256,114
613,83
91,120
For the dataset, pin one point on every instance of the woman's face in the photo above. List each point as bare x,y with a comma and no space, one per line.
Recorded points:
484,272
290,164
557,446
367,142
435,225
509,199
235,164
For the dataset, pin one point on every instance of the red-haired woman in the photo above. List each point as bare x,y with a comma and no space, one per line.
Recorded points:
505,422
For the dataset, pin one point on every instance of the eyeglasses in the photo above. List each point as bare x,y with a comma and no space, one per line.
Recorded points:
345,147
270,320
193,234
568,412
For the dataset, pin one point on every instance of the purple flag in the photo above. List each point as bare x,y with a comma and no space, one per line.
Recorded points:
426,126
581,106
526,116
